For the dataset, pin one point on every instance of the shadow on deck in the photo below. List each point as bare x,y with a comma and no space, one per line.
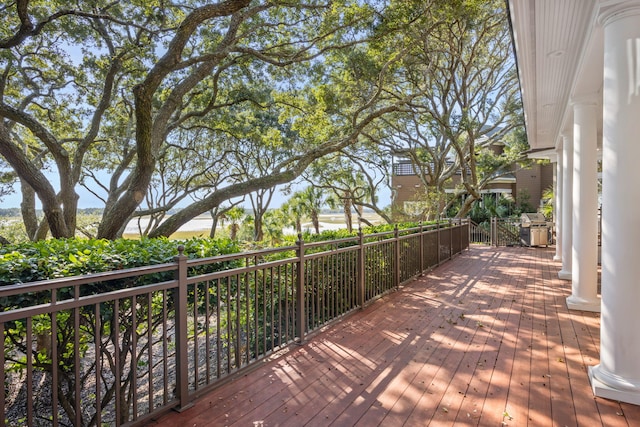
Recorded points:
485,339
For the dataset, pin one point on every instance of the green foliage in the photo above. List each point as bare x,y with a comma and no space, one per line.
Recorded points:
13,230
487,208
523,202
55,258
548,201
331,235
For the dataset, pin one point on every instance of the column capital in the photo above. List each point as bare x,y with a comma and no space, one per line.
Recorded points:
586,99
567,135
610,11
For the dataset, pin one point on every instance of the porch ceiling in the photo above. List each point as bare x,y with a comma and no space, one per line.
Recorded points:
559,50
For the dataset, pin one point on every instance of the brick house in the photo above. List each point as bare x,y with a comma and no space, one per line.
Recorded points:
533,180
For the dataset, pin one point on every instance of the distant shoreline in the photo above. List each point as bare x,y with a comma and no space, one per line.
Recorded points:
202,223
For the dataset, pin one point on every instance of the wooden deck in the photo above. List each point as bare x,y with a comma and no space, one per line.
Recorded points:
485,339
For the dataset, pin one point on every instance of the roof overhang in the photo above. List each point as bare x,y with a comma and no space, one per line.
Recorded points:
558,48
543,154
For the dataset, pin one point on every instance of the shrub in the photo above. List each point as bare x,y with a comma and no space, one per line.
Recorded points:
55,258
110,323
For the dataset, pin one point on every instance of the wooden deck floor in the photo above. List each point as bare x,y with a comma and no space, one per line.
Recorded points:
485,339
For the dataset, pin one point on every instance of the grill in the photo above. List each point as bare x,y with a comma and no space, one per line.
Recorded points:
534,230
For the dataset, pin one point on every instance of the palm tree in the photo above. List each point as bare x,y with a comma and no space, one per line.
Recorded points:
308,202
344,200
313,199
272,221
219,216
292,212
234,216
348,189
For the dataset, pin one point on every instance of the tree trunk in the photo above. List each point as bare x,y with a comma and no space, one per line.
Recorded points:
384,215
286,172
146,138
220,196
466,206
347,214
51,204
366,221
120,212
42,230
28,210
214,225
316,221
258,232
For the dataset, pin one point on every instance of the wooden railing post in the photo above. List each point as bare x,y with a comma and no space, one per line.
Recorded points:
182,360
494,232
438,239
361,269
421,251
300,292
450,239
396,270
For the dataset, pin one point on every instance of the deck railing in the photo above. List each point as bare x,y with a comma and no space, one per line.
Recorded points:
121,347
496,232
480,233
505,232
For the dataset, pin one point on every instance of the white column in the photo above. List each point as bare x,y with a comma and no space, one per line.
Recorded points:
618,374
557,194
584,253
567,202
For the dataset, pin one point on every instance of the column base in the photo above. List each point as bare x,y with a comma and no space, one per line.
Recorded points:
564,275
557,258
576,303
616,388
